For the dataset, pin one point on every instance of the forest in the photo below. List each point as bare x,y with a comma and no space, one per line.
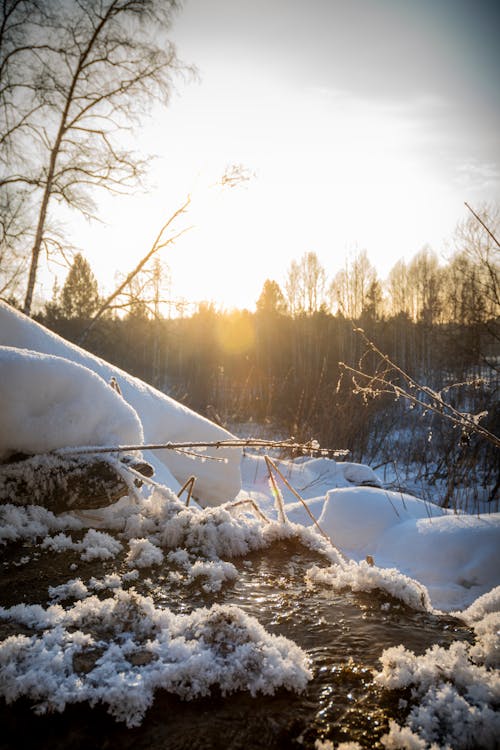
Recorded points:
328,360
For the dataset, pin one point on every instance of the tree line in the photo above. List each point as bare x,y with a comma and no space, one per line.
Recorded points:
282,364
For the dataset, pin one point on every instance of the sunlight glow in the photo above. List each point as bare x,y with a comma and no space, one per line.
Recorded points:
333,173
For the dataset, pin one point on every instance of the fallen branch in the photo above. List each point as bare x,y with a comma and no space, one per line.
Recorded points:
311,447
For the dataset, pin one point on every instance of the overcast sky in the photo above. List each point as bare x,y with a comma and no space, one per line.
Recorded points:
365,124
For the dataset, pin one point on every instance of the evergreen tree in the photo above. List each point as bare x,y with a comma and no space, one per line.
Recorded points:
79,295
271,298
373,301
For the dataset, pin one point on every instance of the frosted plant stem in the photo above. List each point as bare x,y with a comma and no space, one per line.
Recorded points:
188,485
278,499
125,472
254,505
182,447
287,484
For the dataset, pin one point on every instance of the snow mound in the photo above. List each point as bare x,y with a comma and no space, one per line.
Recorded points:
455,691
355,517
163,419
456,557
47,402
364,577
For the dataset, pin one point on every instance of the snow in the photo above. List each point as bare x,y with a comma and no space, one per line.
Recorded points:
455,556
364,577
148,648
47,402
119,647
18,524
95,545
456,690
162,419
142,554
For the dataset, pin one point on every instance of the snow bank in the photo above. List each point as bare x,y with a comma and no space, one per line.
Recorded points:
47,402
163,419
456,557
364,577
118,651
355,518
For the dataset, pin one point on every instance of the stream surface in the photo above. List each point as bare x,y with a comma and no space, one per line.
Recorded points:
343,635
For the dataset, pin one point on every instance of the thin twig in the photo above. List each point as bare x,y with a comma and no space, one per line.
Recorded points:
380,381
482,224
230,443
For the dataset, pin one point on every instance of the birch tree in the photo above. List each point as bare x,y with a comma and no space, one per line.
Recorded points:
76,75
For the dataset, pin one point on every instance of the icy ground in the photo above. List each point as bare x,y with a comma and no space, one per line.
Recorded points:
97,640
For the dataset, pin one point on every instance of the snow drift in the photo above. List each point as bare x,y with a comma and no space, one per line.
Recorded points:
455,556
162,419
48,402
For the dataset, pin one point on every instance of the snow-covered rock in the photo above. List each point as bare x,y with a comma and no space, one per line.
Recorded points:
163,419
47,402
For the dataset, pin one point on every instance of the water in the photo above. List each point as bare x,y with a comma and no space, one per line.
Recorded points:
343,634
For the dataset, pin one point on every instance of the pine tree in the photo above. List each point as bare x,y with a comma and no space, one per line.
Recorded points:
79,295
271,298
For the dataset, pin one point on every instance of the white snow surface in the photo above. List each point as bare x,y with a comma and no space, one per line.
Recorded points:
47,402
162,419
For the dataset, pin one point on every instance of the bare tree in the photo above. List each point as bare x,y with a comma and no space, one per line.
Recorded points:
14,225
79,73
477,237
305,284
164,238
425,286
349,288
292,288
398,289
18,105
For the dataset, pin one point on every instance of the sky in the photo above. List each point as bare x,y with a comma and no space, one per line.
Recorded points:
363,124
